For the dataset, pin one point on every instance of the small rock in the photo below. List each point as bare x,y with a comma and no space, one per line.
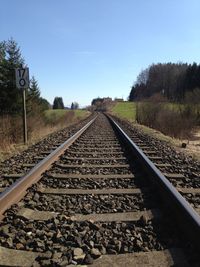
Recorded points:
50,226
102,249
125,249
112,251
78,252
57,255
5,230
48,255
93,225
144,220
49,242
183,145
58,234
123,225
115,231
55,262
95,253
64,263
39,232
78,241
49,234
19,246
139,244
74,262
10,242
70,244
82,233
85,248
56,221
29,226
88,259
29,233
36,197
31,203
40,244
45,262
79,258
145,249
119,245
91,243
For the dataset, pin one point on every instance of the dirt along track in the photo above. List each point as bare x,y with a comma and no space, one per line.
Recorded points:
95,205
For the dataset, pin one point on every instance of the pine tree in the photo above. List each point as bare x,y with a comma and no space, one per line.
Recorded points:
44,104
72,105
34,90
58,103
2,74
10,58
61,103
33,97
10,96
76,105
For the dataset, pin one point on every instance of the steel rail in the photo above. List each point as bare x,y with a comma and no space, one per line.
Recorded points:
17,190
187,218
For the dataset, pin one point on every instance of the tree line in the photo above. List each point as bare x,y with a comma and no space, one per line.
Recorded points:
172,80
10,96
59,104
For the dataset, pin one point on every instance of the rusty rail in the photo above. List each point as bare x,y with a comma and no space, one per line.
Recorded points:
17,190
187,218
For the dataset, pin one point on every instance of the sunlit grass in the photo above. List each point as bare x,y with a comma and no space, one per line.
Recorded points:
125,110
57,114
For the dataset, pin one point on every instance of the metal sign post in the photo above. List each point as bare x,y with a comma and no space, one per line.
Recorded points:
22,82
24,116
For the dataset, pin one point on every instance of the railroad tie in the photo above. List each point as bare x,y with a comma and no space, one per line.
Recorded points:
174,175
36,215
65,166
91,176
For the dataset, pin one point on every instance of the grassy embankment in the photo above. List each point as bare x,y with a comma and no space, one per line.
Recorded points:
127,111
124,110
38,127
62,116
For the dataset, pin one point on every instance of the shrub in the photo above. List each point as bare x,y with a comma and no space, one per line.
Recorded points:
173,122
11,127
10,130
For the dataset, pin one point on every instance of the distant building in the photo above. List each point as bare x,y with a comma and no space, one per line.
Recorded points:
107,99
119,99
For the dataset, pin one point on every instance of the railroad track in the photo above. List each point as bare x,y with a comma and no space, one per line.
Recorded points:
95,201
18,165
183,172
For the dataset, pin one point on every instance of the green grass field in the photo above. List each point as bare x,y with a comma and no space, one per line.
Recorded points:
127,110
55,115
124,110
79,113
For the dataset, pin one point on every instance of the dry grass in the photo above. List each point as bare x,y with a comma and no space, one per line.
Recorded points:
11,130
193,144
175,123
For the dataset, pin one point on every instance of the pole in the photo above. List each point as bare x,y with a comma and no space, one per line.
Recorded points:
24,116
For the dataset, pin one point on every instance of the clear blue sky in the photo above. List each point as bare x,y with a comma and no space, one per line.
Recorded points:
82,49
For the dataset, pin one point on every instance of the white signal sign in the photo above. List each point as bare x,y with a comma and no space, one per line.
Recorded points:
22,78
